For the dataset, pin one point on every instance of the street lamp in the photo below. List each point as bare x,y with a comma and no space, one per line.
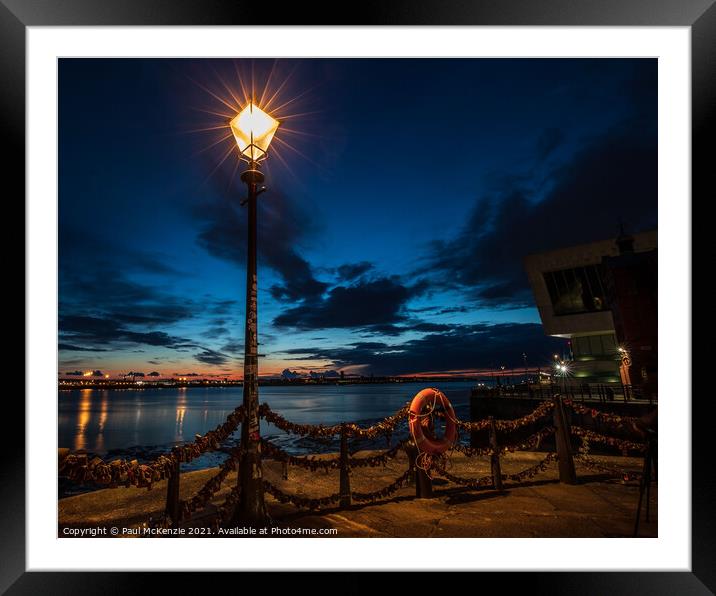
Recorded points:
562,371
253,130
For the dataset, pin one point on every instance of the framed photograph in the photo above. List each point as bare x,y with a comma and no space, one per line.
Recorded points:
393,295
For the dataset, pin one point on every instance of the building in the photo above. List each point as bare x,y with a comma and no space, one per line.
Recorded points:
602,296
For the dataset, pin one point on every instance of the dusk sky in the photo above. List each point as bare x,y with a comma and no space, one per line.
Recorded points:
402,197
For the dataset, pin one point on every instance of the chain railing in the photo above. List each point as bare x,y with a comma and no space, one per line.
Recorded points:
385,426
553,418
489,479
120,472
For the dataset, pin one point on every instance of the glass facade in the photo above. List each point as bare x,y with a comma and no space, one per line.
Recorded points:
576,290
588,347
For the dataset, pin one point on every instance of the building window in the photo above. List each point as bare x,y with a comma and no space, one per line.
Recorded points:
577,290
594,346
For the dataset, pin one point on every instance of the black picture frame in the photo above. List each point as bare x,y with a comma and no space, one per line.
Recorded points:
699,15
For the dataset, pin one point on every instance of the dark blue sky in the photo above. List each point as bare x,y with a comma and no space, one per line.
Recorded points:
403,195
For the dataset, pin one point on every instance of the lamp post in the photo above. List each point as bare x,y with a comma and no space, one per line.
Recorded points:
253,130
562,371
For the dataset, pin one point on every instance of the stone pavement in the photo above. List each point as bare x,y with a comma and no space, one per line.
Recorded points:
599,506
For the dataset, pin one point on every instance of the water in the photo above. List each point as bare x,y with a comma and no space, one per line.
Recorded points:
142,423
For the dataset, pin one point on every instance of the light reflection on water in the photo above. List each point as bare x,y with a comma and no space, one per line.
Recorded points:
181,410
107,420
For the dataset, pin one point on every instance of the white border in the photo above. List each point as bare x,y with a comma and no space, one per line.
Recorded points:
671,551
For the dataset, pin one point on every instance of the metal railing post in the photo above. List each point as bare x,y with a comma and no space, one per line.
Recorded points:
423,483
172,507
345,480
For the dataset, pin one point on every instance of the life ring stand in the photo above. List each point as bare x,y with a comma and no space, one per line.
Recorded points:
421,425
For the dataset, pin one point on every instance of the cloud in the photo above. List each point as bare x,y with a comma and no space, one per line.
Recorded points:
211,357
462,347
453,309
388,329
71,348
363,304
89,286
613,178
80,245
431,327
289,374
223,307
548,141
103,308
72,361
157,314
328,374
100,330
236,347
215,332
95,277
409,325
282,228
351,271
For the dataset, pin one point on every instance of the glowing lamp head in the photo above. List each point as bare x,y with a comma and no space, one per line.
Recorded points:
253,130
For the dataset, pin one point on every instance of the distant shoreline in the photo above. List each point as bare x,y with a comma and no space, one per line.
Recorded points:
68,385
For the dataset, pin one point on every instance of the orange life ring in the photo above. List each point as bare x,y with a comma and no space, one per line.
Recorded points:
421,424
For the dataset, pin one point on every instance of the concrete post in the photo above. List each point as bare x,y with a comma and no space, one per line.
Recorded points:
567,473
495,457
